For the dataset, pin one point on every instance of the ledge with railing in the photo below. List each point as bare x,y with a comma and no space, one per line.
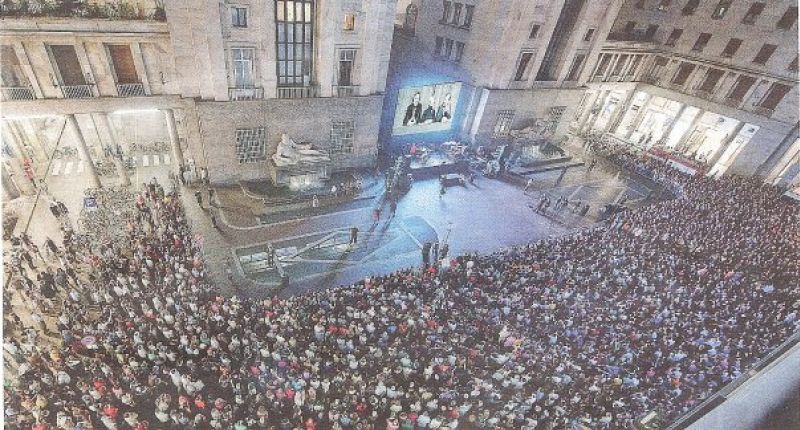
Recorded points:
17,93
299,92
135,89
151,10
254,93
77,91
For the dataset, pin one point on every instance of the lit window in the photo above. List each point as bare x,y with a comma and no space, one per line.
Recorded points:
349,22
722,8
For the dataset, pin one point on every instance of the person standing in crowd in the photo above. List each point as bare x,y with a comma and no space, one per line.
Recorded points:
426,254
270,255
353,236
392,208
198,195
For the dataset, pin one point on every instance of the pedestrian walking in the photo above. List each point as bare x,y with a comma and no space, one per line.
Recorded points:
376,215
214,221
353,235
426,254
270,255
315,202
198,195
528,185
211,194
392,208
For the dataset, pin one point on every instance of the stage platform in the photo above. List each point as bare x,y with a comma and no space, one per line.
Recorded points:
435,165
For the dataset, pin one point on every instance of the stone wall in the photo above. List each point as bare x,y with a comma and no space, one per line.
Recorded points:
302,119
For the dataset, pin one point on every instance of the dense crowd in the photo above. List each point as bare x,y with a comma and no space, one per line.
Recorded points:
653,310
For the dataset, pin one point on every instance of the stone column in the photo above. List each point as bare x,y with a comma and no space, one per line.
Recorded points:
10,190
620,113
726,143
671,126
637,121
124,180
174,140
13,164
680,146
83,149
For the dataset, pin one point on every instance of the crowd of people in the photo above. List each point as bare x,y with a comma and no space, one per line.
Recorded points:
653,310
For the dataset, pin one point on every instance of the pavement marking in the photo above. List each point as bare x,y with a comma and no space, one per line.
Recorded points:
56,167
68,168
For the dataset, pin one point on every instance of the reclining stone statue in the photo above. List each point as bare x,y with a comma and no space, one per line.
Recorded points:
290,153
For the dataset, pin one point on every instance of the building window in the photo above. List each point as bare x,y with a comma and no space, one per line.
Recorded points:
295,28
347,60
342,136
456,13
722,8
349,22
764,53
690,7
11,74
663,5
635,62
684,71
243,67
446,6
619,65
522,65
650,33
459,51
752,14
122,63
448,48
674,36
788,19
774,96
629,27
239,16
469,10
503,124
67,65
575,68
588,36
741,87
793,64
701,42
710,81
731,48
534,31
251,145
439,43
604,61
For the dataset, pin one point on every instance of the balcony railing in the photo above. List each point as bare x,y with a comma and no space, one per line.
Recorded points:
103,9
77,91
246,93
17,93
131,90
633,36
296,92
346,90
